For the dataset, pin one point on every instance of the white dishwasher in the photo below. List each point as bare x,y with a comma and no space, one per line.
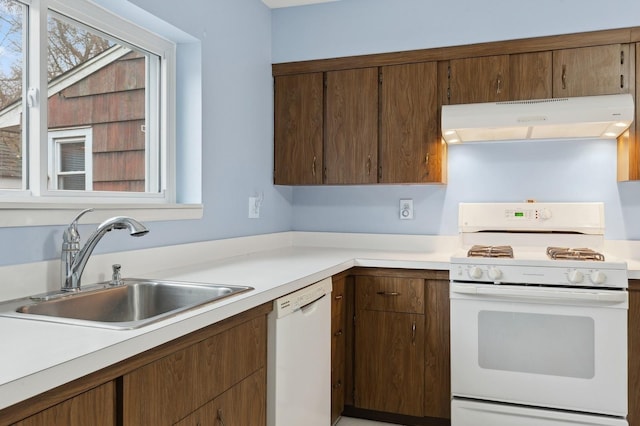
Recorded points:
299,358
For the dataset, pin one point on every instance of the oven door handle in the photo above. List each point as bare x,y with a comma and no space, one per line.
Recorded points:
596,297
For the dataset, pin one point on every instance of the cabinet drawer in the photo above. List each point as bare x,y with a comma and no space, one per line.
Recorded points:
391,294
243,404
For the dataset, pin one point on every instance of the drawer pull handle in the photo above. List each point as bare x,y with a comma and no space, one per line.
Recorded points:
338,333
413,333
338,297
219,417
389,293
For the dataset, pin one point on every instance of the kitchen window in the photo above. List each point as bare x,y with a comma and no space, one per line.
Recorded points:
87,110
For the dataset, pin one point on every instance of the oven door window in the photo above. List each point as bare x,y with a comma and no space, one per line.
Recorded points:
549,344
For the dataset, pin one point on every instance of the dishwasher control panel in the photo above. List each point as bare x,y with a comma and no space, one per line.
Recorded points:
301,298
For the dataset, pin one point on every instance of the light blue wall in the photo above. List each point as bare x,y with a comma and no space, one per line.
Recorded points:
547,171
237,129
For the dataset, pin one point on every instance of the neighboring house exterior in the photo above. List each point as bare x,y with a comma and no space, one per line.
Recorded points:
96,119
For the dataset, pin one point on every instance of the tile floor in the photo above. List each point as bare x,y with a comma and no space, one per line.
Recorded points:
347,421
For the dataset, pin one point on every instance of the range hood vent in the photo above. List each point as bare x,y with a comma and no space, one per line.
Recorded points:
588,117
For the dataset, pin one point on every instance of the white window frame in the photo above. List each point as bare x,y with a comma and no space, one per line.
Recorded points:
161,204
60,137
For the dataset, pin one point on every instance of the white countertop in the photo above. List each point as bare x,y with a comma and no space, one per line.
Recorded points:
37,356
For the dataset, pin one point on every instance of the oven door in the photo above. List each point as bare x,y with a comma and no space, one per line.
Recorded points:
562,348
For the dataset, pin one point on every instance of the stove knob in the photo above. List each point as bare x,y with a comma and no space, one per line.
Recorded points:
544,214
495,273
598,277
575,276
475,272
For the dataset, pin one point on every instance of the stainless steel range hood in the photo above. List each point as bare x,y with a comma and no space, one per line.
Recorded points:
589,117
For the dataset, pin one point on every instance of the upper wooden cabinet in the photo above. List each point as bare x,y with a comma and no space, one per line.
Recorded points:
410,147
597,70
351,126
530,76
629,141
298,109
483,79
499,78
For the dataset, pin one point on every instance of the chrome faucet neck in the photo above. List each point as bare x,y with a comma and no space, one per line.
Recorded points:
74,258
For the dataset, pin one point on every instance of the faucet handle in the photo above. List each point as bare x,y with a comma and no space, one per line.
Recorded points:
71,235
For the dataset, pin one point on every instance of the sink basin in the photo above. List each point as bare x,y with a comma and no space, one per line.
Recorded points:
133,304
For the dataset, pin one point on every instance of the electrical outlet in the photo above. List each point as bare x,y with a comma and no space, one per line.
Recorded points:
406,209
254,207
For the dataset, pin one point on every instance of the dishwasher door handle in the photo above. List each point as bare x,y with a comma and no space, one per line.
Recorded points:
308,305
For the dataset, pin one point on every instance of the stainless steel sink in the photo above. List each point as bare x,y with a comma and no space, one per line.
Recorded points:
135,303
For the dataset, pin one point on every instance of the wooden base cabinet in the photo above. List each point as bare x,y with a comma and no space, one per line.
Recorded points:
401,367
167,390
338,345
213,376
96,407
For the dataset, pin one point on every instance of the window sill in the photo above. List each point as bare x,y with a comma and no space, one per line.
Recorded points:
45,213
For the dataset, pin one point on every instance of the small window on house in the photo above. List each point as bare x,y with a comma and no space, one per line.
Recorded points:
71,160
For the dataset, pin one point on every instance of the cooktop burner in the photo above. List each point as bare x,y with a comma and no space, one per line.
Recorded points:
490,251
574,254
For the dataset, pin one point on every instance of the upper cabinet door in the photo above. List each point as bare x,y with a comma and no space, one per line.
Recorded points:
530,76
597,70
298,129
483,79
410,147
351,126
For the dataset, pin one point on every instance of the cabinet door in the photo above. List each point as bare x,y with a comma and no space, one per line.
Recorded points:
338,342
351,126
634,352
298,129
597,70
483,79
530,76
437,389
389,362
165,391
243,404
96,407
410,147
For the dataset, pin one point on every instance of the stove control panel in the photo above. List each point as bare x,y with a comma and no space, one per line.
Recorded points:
583,276
581,218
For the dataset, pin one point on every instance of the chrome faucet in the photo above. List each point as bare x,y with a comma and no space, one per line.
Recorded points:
73,259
